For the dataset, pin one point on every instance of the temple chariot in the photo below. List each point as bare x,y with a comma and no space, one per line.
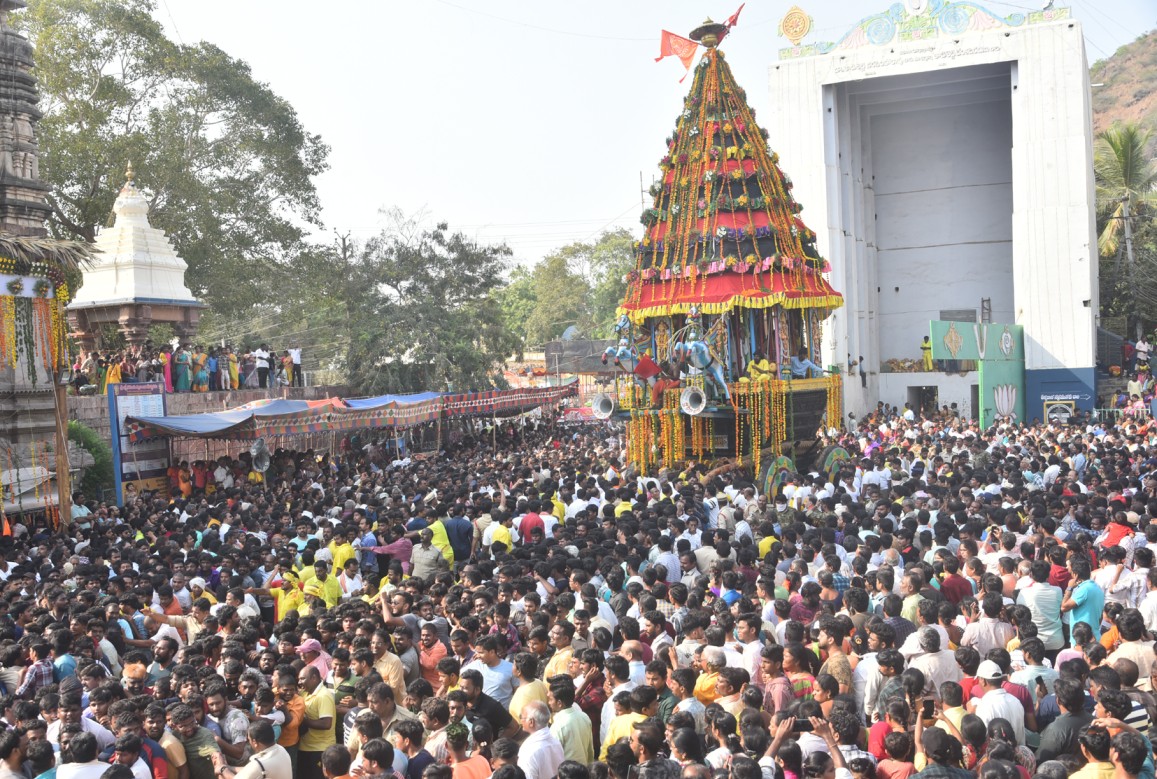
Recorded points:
719,331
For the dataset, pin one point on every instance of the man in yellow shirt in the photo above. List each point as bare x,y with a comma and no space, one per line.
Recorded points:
329,588
386,663
342,548
624,502
759,369
529,688
561,636
765,545
559,508
286,598
643,700
318,728
442,541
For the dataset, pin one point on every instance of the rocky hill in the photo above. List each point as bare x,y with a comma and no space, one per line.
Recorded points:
1129,79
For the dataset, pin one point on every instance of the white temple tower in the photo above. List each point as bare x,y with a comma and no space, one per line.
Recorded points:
136,279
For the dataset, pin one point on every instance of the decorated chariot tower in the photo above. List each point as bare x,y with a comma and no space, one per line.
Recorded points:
721,324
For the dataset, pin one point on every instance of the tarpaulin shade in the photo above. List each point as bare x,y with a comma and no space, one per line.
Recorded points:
720,293
296,417
381,400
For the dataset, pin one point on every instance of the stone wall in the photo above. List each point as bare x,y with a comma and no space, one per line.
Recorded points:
93,412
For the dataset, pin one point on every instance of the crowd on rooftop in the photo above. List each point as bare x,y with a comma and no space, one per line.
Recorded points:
192,368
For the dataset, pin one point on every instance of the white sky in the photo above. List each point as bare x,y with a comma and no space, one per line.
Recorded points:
517,121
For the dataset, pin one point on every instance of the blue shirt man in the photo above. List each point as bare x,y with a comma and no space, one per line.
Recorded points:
1088,604
801,366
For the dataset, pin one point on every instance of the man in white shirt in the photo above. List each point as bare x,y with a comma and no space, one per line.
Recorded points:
1148,605
540,754
618,672
995,702
261,360
938,665
748,645
69,713
1044,601
1142,348
295,355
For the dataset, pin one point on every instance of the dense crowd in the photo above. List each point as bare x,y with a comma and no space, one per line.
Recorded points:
954,602
192,368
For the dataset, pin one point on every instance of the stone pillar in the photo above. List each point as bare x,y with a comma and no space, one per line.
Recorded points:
83,332
134,323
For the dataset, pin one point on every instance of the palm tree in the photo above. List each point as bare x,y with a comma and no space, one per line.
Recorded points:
1126,189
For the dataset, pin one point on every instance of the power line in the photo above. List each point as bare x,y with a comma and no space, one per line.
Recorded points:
1109,17
520,23
173,21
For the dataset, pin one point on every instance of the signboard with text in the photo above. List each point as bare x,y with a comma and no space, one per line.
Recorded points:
137,466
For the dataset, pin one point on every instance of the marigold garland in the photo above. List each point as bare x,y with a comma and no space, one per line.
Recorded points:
835,406
33,328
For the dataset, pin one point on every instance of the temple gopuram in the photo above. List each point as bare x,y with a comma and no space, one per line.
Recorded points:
721,325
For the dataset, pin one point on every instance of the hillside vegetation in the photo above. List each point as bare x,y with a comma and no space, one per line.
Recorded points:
1129,79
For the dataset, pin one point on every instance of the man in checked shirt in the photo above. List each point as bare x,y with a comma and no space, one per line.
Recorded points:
39,674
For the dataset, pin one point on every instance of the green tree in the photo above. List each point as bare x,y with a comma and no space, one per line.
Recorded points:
226,162
563,298
98,477
518,299
1126,196
612,258
581,284
419,309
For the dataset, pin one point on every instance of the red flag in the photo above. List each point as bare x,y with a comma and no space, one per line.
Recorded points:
734,18
672,45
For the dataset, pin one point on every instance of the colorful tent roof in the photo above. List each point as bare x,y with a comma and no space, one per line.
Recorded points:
723,212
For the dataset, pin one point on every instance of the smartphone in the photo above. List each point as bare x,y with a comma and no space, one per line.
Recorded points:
801,726
929,708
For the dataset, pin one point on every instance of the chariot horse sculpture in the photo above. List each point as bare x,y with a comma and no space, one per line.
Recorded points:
689,348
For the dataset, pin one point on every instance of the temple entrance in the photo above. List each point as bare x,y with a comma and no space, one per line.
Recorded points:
924,400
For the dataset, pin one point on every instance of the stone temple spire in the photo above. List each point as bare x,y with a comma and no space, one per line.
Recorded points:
23,208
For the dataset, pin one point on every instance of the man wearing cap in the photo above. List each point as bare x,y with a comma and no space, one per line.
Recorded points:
315,656
995,702
197,590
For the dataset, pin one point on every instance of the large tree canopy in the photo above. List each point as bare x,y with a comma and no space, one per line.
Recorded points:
410,309
579,285
226,162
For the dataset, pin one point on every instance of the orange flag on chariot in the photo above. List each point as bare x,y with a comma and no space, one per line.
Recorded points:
734,18
672,45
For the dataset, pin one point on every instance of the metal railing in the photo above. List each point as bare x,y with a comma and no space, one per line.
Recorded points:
1116,415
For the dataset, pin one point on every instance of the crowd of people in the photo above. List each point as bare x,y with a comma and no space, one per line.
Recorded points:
953,602
193,368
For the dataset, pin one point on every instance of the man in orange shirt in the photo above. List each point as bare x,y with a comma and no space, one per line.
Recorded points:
292,705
